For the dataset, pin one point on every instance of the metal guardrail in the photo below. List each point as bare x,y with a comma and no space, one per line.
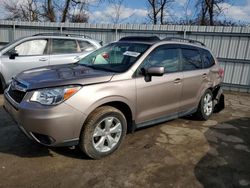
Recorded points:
229,44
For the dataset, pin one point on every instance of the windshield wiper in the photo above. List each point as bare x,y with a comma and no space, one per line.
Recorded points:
89,66
98,68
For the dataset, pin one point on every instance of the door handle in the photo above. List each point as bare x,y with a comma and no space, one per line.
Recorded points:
43,59
204,75
177,80
77,58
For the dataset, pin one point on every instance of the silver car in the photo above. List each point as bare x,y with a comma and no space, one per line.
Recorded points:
42,50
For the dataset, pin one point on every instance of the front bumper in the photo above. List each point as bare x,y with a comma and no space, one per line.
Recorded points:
48,125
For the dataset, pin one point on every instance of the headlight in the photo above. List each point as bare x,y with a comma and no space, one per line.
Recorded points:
53,96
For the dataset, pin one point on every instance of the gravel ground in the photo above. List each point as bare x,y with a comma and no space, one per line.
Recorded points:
179,153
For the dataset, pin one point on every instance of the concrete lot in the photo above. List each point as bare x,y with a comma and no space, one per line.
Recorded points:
179,153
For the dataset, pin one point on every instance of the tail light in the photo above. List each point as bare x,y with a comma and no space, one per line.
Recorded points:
221,72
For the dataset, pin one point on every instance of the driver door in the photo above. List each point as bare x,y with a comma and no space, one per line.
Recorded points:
160,98
30,54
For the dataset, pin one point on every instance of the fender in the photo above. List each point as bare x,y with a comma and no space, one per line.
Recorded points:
210,86
110,99
104,101
217,92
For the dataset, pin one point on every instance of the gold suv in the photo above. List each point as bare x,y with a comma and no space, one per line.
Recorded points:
125,85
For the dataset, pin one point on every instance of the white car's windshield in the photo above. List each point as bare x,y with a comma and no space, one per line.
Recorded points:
115,57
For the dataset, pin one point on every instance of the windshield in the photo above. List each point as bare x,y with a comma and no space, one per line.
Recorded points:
115,57
5,46
10,43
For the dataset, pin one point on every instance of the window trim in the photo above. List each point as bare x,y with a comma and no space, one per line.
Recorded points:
202,51
183,47
51,44
170,46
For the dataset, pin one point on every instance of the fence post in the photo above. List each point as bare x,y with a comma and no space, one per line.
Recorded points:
13,33
61,29
116,34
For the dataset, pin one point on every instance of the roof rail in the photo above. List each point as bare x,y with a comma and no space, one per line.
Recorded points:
62,34
140,38
186,40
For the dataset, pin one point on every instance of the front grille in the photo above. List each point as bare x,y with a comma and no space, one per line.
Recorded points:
16,95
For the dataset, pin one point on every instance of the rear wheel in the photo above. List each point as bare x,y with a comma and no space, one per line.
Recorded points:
103,132
206,106
2,86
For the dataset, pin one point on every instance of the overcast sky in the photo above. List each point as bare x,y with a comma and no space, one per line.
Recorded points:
135,11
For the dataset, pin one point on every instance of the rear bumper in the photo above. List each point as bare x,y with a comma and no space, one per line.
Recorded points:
219,100
51,126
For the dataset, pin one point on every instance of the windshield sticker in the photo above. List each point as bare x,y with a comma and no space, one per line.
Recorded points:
130,53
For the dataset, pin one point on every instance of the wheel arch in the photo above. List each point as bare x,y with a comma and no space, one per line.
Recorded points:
125,109
202,93
121,104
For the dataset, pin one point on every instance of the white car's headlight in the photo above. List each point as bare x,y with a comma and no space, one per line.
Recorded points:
53,96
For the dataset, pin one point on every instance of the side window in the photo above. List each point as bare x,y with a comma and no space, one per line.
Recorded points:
163,57
86,46
32,47
191,59
64,46
208,59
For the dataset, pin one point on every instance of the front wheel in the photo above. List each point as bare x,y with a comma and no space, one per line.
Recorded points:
103,132
206,106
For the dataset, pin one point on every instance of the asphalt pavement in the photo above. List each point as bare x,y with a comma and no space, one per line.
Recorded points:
179,153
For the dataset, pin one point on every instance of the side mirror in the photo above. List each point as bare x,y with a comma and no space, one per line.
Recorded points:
13,55
152,71
155,71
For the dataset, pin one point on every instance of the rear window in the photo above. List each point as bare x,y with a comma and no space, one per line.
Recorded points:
85,46
191,59
208,59
64,46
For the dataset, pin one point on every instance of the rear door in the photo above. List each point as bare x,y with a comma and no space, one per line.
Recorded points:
64,51
30,54
160,97
195,78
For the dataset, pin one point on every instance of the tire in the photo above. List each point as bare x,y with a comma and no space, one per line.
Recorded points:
1,89
2,84
97,138
206,106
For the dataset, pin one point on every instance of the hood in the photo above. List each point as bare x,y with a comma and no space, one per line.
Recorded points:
59,75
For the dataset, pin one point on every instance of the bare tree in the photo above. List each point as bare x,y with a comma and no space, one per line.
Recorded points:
47,10
79,14
116,10
157,10
209,10
27,11
65,10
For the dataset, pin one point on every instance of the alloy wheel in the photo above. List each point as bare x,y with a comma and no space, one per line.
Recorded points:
208,104
107,134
